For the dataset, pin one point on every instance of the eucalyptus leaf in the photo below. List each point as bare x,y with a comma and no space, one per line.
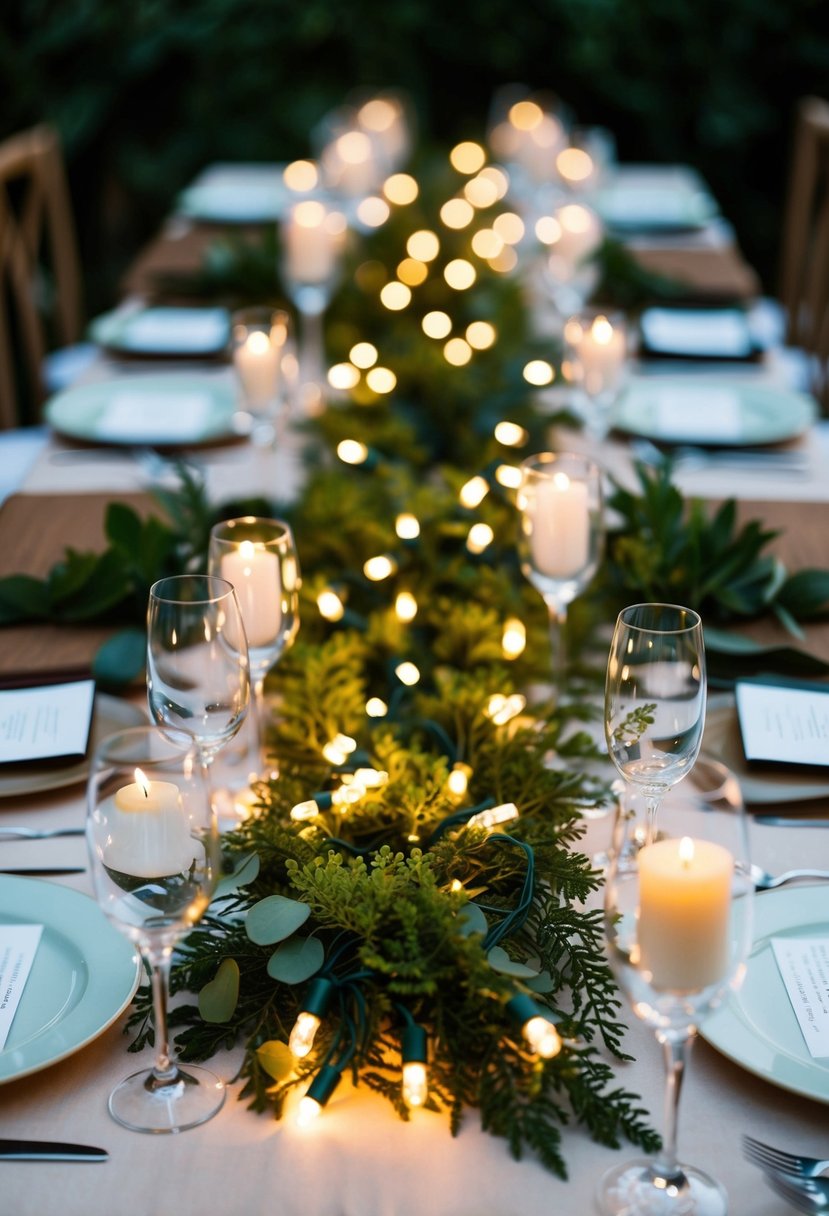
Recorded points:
276,1058
244,872
296,960
121,658
500,961
218,998
542,983
472,920
275,918
23,598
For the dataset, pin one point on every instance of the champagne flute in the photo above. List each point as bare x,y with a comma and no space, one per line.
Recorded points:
154,852
197,660
560,500
655,689
678,923
259,558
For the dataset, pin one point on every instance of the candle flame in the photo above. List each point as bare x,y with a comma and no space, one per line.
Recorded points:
142,783
247,550
686,850
561,482
602,331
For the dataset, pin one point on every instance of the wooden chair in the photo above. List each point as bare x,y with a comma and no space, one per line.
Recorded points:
40,282
804,271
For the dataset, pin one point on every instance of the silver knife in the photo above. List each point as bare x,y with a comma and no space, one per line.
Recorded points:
49,1150
44,871
782,821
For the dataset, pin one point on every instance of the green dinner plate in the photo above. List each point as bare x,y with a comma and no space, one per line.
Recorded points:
170,409
163,332
84,975
697,409
756,1027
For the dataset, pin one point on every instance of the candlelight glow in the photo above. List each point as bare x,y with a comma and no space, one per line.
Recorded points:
511,434
457,351
376,707
509,226
363,355
373,211
381,379
412,272
343,375
395,296
539,372
142,782
459,274
508,476
405,606
407,673
480,335
380,567
479,538
407,526
686,850
513,638
457,213
401,189
467,157
330,605
602,331
301,176
351,451
423,245
473,492
487,243
436,324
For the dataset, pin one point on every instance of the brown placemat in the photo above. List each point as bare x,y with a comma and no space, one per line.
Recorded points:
715,275
35,531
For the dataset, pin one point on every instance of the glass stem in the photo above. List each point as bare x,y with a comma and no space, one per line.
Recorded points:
652,804
557,616
675,1052
259,711
310,362
164,1070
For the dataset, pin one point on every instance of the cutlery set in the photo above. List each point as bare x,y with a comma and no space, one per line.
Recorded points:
795,1178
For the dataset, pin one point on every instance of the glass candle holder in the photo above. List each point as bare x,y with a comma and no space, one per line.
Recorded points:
597,363
261,343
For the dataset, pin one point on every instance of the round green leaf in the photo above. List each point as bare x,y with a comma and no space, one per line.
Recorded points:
499,960
217,1000
542,983
472,920
245,870
296,960
276,1059
275,918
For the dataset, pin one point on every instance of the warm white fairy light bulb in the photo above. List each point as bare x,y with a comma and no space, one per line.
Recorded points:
423,245
363,355
330,605
480,537
513,638
395,296
338,749
381,380
343,376
459,274
305,810
373,211
457,213
467,157
473,492
405,607
376,707
458,780
501,709
302,1036
493,816
542,1037
401,189
457,352
308,1111
510,434
379,568
407,526
480,335
415,1084
508,476
407,673
352,451
437,324
538,372
412,272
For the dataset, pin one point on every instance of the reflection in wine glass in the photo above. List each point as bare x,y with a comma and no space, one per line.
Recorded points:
262,357
258,557
655,692
678,923
197,660
560,500
313,239
154,854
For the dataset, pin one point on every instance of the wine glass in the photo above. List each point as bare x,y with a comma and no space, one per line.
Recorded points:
313,238
198,677
154,852
560,500
573,234
654,706
259,558
678,923
260,342
597,349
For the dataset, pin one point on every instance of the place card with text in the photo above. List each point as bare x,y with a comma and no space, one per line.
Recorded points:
803,963
784,725
18,947
45,723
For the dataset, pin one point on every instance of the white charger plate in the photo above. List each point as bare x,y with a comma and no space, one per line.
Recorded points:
700,409
109,715
227,193
757,1027
169,409
163,332
84,975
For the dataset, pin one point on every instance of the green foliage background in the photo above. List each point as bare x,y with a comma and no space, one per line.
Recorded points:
146,94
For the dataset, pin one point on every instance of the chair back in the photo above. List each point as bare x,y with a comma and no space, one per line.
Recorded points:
804,271
40,282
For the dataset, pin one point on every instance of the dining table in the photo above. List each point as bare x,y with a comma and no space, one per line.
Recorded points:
360,1159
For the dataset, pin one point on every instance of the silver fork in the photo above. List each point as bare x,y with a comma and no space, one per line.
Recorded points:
770,1158
764,881
805,1194
38,833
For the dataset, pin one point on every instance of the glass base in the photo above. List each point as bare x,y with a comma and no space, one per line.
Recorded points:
143,1103
637,1189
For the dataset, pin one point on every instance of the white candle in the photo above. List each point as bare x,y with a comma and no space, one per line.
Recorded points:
256,361
577,234
254,573
312,240
560,535
601,351
684,905
148,835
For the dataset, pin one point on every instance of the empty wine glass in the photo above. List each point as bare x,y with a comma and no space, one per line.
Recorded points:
261,345
198,677
258,556
655,692
678,923
154,852
560,500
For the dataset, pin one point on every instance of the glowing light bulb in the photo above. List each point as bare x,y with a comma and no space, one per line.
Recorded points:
511,434
498,177
457,352
407,673
487,243
351,451
330,605
381,380
412,272
542,1036
371,778
467,157
373,211
473,492
457,213
437,324
481,191
300,176
407,526
574,164
458,780
513,638
338,749
494,815
302,1036
526,115
380,567
395,296
308,1111
301,812
548,230
508,476
405,606
459,274
376,707
509,226
343,376
363,355
479,538
415,1083
538,372
480,335
500,709
400,189
423,245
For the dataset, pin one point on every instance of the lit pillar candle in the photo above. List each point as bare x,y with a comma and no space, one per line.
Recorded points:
600,349
560,536
257,364
312,243
148,834
254,573
684,905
